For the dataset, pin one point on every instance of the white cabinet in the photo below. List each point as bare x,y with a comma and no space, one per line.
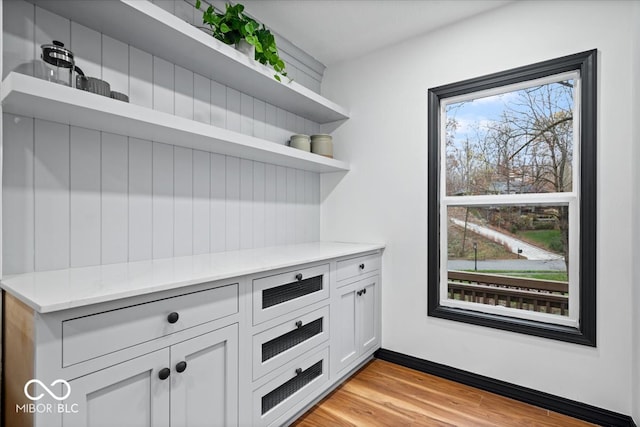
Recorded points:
127,394
192,383
204,380
355,311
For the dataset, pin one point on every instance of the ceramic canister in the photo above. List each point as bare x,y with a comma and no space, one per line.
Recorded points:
301,142
322,144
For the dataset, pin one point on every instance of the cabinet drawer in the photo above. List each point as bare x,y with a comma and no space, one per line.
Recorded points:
87,337
356,267
288,389
280,294
283,343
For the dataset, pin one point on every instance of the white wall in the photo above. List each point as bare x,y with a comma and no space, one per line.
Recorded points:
383,197
635,371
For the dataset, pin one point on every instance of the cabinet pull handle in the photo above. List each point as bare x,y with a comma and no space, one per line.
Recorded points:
164,373
173,317
361,266
364,291
298,371
299,277
299,324
359,292
181,366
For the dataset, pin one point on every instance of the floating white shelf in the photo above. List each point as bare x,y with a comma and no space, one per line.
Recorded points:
154,30
32,97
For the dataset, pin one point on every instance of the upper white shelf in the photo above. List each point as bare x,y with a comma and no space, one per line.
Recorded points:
154,30
32,97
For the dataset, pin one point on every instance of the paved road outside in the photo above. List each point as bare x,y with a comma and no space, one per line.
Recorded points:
507,264
529,251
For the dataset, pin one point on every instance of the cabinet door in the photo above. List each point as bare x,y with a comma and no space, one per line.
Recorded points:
369,312
205,392
128,394
344,334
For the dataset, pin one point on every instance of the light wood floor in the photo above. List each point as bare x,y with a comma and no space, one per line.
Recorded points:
385,394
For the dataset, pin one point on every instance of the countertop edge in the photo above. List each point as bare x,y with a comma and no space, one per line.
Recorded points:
15,284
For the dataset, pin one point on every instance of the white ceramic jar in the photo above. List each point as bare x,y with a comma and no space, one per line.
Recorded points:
322,144
300,141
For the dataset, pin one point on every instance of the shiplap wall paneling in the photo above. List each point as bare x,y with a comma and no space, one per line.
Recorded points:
163,89
259,118
162,168
115,205
290,211
18,238
51,183
18,46
183,201
259,205
233,110
115,64
281,205
85,191
233,203
270,206
201,99
246,204
140,77
217,205
86,45
201,203
75,197
218,105
140,200
301,222
183,106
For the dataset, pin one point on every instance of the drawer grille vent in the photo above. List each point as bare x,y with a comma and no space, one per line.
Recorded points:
280,294
291,339
280,394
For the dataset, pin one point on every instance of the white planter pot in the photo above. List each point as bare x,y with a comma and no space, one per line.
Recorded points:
322,144
246,48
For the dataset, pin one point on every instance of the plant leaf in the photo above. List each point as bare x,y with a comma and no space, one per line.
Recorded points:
224,28
198,3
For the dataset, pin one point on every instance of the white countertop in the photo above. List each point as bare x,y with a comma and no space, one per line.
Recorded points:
50,291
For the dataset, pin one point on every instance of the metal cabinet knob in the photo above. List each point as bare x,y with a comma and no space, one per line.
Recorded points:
364,291
173,317
298,371
181,366
299,324
164,373
299,277
361,266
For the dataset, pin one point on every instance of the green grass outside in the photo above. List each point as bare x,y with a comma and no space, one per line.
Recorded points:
548,239
531,274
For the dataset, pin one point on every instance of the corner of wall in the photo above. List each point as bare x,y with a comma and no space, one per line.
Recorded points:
635,322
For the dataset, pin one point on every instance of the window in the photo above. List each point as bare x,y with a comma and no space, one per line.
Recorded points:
512,203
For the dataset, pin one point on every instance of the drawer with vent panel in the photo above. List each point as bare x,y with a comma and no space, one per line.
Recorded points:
283,343
277,295
296,382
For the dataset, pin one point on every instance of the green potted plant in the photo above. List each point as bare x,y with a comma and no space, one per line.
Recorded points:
235,28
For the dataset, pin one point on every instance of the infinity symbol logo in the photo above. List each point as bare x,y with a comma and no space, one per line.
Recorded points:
51,393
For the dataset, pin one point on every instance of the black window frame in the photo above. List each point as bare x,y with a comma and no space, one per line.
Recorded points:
585,332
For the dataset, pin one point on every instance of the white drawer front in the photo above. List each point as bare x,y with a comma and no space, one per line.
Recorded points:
285,391
283,343
91,336
277,295
356,267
